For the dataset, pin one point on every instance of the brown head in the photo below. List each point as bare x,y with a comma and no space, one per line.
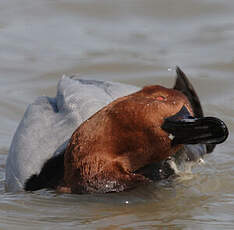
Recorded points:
131,132
136,122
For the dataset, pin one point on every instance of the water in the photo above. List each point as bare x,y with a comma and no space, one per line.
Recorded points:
127,41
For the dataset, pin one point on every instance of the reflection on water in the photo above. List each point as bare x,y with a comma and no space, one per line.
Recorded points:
133,42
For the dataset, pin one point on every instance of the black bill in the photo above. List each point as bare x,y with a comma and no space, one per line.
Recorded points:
182,128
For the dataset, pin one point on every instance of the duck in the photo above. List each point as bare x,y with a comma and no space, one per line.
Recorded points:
101,136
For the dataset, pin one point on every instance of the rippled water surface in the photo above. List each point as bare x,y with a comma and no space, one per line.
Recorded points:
129,41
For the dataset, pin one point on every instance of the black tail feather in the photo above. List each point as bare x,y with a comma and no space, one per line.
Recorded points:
182,84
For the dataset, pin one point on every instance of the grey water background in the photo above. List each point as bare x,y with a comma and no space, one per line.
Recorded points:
130,41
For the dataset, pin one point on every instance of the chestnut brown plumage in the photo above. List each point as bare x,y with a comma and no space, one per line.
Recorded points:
107,149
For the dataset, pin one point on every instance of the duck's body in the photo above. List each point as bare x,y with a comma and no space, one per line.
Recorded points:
48,124
40,156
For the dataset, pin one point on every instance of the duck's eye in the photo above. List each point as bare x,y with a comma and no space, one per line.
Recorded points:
161,98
